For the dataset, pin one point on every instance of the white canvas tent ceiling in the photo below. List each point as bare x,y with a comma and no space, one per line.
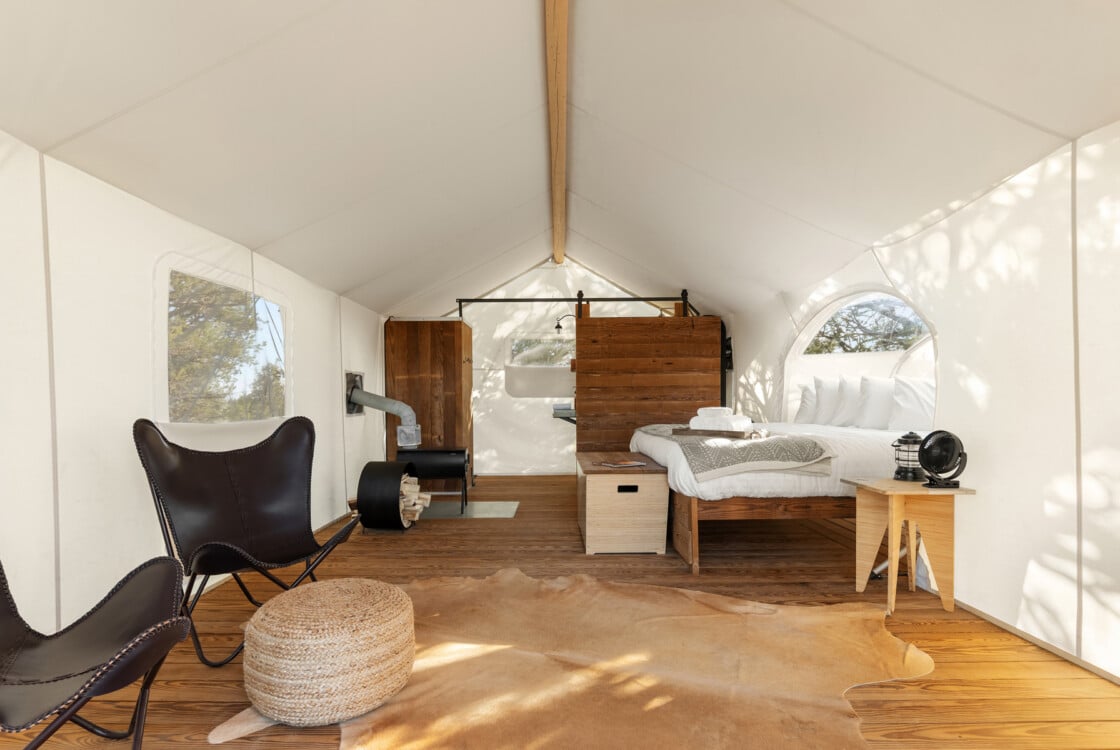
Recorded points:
387,149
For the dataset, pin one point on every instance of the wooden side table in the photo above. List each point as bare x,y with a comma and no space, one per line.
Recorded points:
622,510
882,505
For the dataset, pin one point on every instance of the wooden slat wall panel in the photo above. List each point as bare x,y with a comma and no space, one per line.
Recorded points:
671,349
665,380
738,508
636,371
656,365
688,393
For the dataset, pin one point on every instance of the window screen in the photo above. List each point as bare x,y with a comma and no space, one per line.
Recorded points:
225,353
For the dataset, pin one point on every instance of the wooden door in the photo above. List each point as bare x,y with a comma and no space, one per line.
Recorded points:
428,366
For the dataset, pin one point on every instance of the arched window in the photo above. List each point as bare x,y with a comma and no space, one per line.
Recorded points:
871,323
870,335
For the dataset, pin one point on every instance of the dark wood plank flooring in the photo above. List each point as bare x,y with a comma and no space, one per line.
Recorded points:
990,689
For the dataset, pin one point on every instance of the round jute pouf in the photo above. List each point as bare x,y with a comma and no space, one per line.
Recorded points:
325,652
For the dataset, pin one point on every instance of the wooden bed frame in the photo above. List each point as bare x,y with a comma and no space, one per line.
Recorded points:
689,511
637,371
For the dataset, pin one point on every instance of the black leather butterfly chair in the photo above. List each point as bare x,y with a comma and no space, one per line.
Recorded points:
125,637
237,510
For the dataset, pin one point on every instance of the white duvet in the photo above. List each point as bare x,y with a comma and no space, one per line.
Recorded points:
857,452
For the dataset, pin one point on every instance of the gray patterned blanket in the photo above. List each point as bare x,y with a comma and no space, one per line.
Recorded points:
711,457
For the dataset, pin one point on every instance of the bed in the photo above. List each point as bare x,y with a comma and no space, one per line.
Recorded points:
810,491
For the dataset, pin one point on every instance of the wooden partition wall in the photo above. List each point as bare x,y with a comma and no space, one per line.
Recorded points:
637,371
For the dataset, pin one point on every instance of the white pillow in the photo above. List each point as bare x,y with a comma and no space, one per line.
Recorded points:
828,398
848,407
807,411
913,405
876,401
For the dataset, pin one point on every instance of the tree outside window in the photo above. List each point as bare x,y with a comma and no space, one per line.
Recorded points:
879,323
225,353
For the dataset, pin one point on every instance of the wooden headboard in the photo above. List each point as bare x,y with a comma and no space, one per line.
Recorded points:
637,371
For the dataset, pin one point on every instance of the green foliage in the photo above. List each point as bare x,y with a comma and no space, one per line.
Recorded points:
878,324
265,397
211,341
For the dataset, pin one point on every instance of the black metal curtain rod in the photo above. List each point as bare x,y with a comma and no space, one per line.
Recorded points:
682,298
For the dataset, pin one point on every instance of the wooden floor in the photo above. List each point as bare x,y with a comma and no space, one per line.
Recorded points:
990,689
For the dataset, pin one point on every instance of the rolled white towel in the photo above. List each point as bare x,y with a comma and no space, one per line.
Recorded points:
707,423
734,422
714,411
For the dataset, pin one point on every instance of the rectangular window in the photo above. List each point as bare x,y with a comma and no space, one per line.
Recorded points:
542,351
538,366
225,353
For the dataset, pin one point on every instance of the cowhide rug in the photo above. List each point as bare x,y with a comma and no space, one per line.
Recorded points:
516,662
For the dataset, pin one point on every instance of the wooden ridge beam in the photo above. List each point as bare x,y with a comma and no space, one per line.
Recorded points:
556,71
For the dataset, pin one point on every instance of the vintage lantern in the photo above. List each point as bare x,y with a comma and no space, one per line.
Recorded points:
906,458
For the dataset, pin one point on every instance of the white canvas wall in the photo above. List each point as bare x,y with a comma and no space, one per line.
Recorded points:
27,540
104,248
362,351
996,280
1098,278
107,251
519,435
759,339
109,257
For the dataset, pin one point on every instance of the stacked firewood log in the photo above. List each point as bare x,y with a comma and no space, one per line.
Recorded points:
413,501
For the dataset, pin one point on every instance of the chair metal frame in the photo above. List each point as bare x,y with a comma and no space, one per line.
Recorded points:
194,595
284,459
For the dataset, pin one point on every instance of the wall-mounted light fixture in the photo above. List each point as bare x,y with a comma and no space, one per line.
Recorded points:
559,328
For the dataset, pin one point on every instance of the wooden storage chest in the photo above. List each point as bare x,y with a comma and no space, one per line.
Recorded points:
622,510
